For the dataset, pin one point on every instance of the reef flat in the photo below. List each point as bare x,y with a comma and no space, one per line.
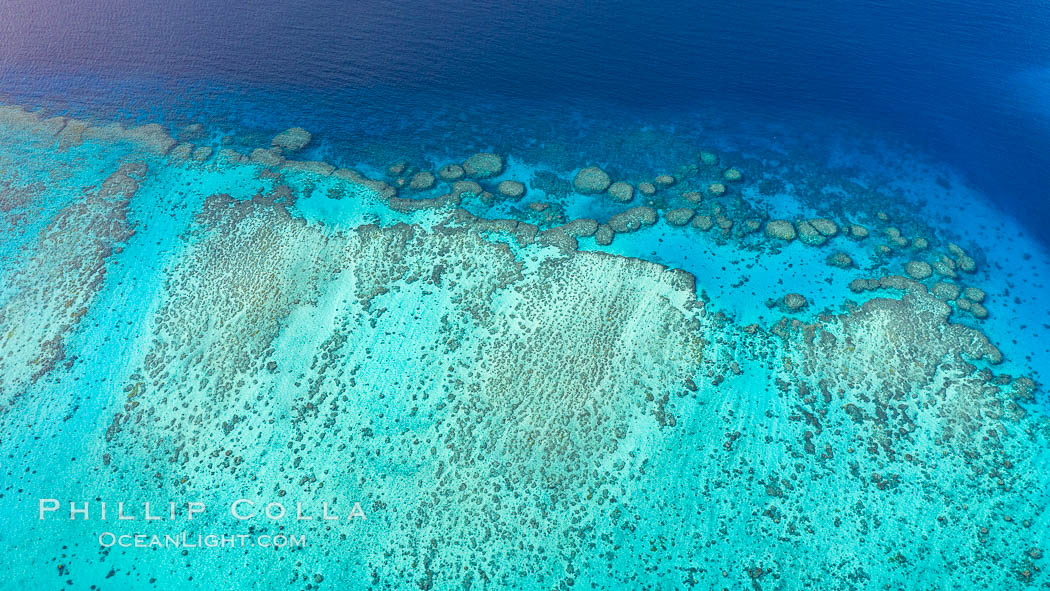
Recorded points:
530,375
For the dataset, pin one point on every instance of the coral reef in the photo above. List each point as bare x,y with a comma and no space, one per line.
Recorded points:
292,140
918,270
664,181
59,281
840,260
591,180
679,217
794,302
451,172
512,189
621,191
633,219
825,226
422,181
809,234
780,229
492,382
483,165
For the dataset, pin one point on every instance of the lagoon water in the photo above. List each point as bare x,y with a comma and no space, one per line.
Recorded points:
551,385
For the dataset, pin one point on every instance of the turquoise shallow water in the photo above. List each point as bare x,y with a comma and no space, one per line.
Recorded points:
555,390
800,344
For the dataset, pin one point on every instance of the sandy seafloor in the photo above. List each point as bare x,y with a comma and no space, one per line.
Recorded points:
190,313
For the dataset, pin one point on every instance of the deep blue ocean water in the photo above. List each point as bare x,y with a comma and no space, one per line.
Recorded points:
966,81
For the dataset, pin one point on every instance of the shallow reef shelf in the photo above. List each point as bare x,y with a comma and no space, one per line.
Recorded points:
528,375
